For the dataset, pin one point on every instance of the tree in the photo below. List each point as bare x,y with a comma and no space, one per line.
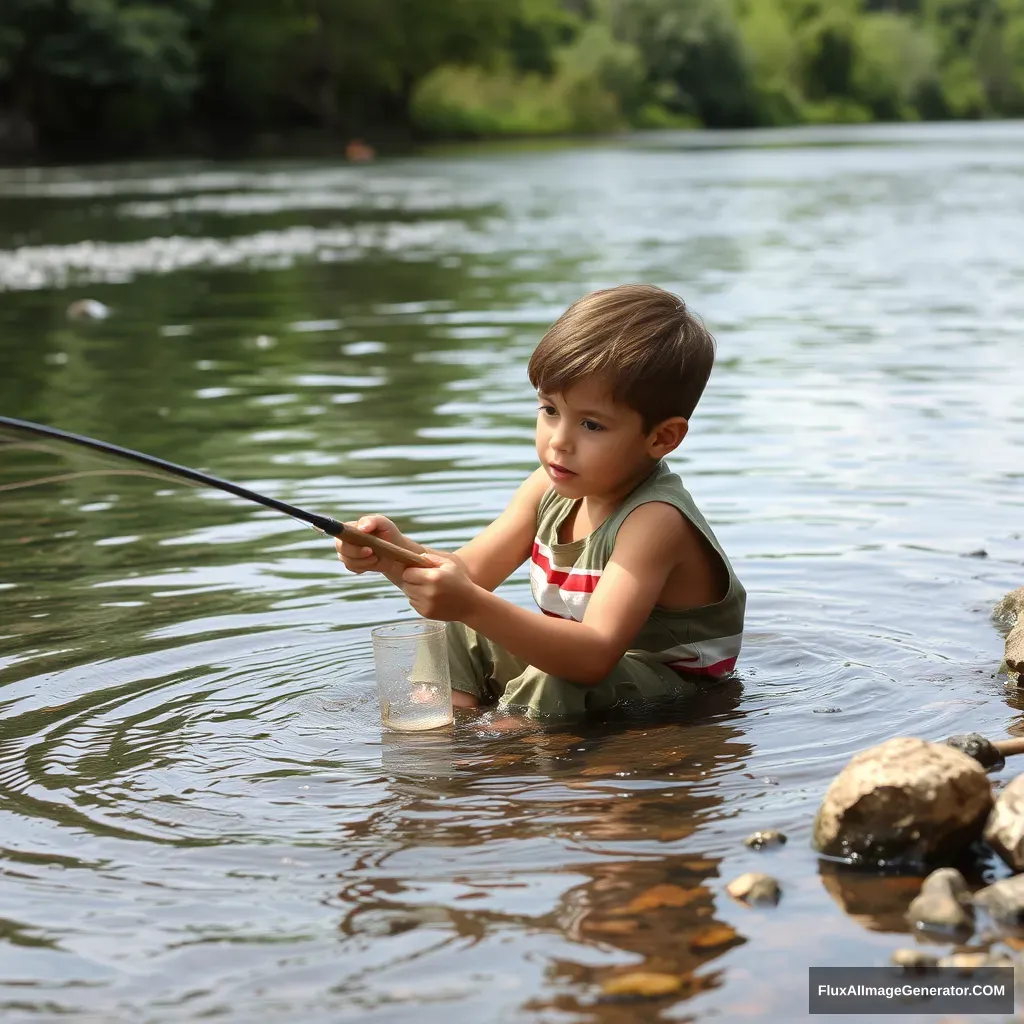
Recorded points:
696,63
73,66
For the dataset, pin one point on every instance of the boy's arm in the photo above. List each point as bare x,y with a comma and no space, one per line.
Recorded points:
500,548
653,541
488,559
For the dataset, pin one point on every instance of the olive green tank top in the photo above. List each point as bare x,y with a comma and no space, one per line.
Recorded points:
697,641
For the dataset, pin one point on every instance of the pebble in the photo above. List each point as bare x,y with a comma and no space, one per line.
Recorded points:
87,309
968,962
1003,901
973,744
914,960
765,840
944,903
755,888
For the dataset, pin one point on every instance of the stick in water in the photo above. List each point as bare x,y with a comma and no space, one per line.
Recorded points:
325,524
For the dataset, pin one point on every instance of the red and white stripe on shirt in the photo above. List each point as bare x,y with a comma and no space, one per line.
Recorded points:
565,594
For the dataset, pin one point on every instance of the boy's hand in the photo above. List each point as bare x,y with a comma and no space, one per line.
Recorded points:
359,559
445,592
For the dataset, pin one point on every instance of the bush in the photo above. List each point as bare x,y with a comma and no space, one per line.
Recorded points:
895,64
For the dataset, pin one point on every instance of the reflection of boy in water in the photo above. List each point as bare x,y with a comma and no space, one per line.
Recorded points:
639,598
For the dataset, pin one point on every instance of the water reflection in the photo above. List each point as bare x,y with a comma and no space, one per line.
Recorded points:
199,812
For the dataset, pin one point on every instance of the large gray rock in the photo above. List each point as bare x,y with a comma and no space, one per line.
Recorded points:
1004,830
943,904
905,799
1003,901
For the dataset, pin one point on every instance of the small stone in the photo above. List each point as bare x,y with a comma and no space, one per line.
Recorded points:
755,888
966,963
914,960
765,840
903,799
1004,830
973,744
943,904
1003,901
87,309
644,984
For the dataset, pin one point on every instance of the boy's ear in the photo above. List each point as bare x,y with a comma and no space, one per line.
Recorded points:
667,436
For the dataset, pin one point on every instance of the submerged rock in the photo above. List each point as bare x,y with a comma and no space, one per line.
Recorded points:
1004,830
755,888
905,799
765,840
943,904
1003,901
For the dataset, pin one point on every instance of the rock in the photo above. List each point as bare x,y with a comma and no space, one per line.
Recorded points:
1011,608
1004,830
973,744
87,309
903,799
765,840
966,963
1003,901
1014,654
914,960
1011,611
755,888
943,904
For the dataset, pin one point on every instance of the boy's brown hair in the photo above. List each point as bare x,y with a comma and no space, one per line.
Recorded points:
655,353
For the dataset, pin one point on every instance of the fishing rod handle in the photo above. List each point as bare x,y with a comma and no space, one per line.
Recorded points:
379,546
1015,745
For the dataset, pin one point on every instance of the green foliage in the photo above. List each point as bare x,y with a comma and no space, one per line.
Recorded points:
694,56
896,66
130,73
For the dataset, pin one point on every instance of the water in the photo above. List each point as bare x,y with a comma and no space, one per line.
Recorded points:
425,707
199,812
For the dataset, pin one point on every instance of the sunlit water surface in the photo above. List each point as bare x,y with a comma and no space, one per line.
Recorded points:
199,814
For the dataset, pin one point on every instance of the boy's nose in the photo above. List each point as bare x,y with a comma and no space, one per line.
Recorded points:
560,439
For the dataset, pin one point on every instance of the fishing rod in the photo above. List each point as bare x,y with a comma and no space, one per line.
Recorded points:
324,524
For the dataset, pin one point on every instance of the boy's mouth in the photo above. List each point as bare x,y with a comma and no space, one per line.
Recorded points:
559,472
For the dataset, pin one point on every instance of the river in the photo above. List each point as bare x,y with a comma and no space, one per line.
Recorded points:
199,814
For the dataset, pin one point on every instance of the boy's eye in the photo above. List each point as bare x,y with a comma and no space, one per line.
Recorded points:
591,425
548,410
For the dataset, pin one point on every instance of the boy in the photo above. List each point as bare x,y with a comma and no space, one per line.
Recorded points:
639,599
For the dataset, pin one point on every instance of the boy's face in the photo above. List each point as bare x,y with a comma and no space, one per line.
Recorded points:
590,445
